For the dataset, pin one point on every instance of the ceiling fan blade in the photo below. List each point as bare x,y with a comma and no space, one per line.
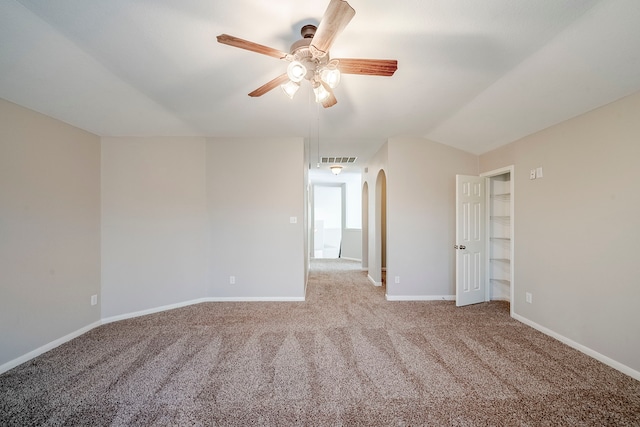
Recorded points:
335,19
253,47
369,67
331,99
281,79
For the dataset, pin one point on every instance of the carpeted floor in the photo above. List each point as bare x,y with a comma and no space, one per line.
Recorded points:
343,357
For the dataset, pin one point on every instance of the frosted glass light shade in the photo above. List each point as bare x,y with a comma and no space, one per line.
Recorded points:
331,77
290,88
296,71
321,93
336,169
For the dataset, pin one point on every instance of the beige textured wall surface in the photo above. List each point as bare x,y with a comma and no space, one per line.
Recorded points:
49,230
577,228
254,188
154,223
421,216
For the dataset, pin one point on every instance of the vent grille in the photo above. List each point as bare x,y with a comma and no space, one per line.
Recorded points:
339,160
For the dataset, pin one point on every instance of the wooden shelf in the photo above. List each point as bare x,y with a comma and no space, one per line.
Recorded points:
501,259
502,281
500,239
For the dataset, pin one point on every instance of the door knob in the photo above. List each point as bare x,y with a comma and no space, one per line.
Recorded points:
463,247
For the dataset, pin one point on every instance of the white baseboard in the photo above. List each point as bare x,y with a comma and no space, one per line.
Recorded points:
584,349
420,297
254,299
152,310
50,346
373,281
198,301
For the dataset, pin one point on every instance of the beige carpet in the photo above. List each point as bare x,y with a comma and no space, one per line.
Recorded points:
344,357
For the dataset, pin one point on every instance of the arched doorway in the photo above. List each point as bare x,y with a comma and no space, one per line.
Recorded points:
365,226
378,260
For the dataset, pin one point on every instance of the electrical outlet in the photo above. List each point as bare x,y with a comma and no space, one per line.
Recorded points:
94,299
232,280
397,280
532,174
528,297
293,220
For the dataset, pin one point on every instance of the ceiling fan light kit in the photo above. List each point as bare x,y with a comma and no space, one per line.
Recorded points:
309,57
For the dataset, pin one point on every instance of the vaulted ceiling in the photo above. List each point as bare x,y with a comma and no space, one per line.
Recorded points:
471,74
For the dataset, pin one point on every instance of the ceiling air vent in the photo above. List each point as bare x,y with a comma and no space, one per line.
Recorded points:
339,160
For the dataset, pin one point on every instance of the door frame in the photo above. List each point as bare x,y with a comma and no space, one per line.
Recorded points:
501,171
343,211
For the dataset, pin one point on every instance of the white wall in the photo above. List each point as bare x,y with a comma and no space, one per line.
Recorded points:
352,244
577,229
154,223
421,216
49,230
254,188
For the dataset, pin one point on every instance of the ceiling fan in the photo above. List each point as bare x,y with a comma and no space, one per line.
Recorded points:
309,57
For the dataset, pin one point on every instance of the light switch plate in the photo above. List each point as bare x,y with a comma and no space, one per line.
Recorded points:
532,174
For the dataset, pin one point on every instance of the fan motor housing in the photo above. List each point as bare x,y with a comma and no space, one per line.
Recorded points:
301,51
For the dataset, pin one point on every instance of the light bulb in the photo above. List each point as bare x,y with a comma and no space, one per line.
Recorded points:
296,71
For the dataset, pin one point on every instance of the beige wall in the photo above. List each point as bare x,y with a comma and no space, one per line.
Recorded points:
182,215
254,188
421,216
154,223
49,230
577,229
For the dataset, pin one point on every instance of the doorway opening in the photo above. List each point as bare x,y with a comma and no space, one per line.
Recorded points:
484,237
365,226
328,220
377,272
500,243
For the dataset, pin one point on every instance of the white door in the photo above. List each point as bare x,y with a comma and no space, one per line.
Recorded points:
470,239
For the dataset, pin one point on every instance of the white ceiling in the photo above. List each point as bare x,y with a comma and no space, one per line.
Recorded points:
471,74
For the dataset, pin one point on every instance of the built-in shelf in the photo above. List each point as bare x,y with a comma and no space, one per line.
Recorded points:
499,230
502,196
